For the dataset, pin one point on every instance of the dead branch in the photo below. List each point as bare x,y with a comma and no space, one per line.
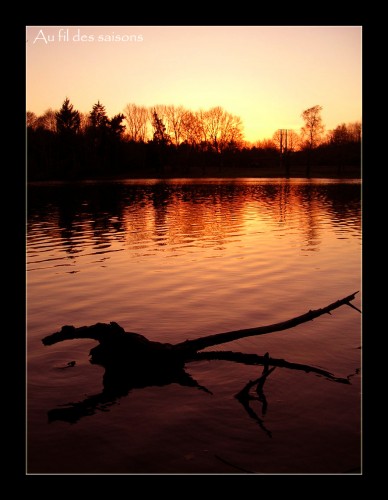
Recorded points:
132,361
222,338
255,359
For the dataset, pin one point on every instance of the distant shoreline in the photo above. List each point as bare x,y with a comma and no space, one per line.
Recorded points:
316,172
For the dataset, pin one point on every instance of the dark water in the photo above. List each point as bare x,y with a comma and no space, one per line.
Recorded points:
174,260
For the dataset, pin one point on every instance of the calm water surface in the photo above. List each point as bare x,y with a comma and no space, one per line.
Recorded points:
180,259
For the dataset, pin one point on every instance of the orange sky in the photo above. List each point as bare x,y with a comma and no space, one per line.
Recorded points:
266,75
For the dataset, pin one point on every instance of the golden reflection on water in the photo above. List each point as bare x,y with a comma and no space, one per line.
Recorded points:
197,255
168,215
180,259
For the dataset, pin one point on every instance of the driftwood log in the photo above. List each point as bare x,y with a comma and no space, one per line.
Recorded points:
118,345
132,361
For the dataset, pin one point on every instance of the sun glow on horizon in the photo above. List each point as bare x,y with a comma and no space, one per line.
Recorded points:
266,75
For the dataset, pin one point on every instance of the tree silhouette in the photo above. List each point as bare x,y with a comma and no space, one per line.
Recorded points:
345,133
98,137
286,142
48,120
191,128
159,145
31,120
115,125
68,119
137,118
67,142
344,144
160,134
84,123
67,149
174,116
98,117
312,131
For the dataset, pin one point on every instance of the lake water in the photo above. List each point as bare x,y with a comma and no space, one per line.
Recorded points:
174,260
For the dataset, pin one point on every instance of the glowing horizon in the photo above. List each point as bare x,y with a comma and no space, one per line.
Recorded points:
266,75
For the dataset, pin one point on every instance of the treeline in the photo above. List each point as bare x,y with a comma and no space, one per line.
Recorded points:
172,140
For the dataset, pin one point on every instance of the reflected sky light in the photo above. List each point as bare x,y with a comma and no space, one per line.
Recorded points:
175,217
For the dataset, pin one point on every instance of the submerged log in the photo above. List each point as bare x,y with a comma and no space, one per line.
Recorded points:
133,361
117,347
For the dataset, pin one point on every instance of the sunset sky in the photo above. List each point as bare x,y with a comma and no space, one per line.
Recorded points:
266,75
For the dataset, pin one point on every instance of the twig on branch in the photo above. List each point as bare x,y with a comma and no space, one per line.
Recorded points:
354,307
